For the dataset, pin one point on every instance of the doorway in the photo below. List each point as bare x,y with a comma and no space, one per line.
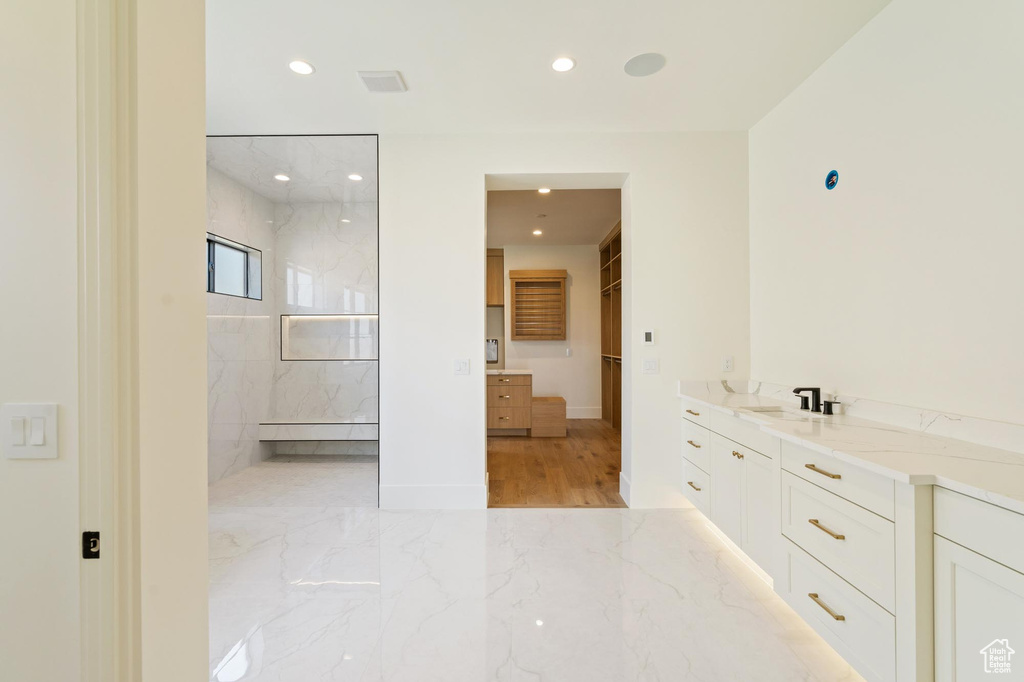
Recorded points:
553,341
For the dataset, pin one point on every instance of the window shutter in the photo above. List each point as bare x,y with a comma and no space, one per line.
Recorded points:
538,304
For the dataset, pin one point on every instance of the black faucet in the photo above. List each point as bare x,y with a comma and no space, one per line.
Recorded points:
815,399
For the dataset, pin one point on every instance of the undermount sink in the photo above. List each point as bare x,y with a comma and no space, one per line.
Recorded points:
776,411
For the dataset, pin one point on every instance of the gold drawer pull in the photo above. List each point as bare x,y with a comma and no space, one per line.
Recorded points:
822,472
737,454
504,380
694,444
504,397
814,596
504,418
695,414
823,529
690,483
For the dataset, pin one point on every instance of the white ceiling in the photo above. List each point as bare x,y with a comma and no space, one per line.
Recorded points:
484,65
571,216
318,166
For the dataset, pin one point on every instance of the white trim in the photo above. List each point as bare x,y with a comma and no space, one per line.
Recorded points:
583,412
624,488
109,586
433,497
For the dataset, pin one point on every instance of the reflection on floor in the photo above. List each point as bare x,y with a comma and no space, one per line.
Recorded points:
302,593
580,470
301,481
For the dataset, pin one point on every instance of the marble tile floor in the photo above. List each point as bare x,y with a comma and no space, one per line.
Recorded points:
301,481
310,592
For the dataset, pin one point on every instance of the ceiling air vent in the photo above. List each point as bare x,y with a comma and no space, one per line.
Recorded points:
383,81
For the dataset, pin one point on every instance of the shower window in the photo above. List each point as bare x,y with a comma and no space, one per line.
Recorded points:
233,269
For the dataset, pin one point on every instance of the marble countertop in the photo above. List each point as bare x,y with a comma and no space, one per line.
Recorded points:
905,455
510,371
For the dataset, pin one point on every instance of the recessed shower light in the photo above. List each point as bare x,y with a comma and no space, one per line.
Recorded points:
300,67
563,64
282,177
537,232
355,177
545,190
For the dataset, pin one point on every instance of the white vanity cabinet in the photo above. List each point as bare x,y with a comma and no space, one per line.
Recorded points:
979,590
731,474
742,501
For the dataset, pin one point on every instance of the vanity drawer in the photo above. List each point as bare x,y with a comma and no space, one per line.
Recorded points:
697,487
509,396
859,629
745,433
865,551
980,526
695,412
509,379
849,481
508,417
697,445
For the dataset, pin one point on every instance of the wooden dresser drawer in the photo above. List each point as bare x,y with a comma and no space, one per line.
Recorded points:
697,445
697,487
695,412
508,417
857,544
509,379
860,486
859,629
508,396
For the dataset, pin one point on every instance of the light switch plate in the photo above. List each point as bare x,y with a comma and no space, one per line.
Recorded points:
650,366
37,434
462,367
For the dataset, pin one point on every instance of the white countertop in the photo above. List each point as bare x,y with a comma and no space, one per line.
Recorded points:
510,371
905,455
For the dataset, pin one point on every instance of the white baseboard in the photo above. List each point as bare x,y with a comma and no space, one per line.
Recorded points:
433,497
583,412
624,486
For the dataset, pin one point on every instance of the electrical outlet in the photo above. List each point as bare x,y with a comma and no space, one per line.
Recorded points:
568,352
727,363
462,367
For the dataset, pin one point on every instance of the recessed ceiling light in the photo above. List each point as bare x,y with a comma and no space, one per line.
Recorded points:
345,220
300,67
544,190
282,177
538,232
355,176
646,64
563,64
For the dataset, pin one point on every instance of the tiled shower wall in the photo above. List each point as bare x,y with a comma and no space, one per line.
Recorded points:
241,334
319,258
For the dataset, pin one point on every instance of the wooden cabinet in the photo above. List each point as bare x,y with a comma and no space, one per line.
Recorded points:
611,326
495,277
509,401
538,304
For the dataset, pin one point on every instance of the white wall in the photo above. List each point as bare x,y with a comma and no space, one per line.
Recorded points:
39,576
577,378
904,283
686,268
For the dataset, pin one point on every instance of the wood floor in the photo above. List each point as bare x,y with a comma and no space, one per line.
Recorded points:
580,470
